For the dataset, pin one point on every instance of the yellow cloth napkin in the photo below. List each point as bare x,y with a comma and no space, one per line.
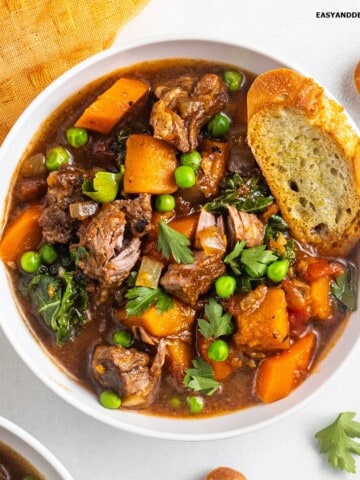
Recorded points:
40,39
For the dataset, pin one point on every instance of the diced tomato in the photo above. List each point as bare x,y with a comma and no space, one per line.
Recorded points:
312,269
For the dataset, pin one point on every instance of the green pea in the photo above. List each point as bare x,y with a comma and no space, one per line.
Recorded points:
48,253
218,351
122,338
185,177
225,286
110,399
233,80
77,137
30,261
195,404
175,402
219,125
261,270
278,270
55,157
165,203
191,159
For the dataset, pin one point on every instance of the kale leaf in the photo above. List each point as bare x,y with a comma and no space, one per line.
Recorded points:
61,303
250,195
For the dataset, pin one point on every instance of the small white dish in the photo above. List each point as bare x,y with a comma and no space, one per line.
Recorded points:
32,451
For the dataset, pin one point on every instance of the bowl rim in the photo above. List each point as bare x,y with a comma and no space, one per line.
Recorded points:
35,445
104,415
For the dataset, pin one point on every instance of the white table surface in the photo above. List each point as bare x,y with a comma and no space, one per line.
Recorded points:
328,49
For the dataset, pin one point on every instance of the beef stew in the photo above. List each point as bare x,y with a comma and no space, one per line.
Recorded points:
149,257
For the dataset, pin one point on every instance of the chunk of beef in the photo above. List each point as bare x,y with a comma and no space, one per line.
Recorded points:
180,112
119,267
169,126
245,226
211,95
29,189
57,225
128,372
64,188
138,213
188,282
102,238
65,185
109,257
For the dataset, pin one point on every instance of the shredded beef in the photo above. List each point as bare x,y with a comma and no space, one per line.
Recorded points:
188,282
128,372
181,111
64,188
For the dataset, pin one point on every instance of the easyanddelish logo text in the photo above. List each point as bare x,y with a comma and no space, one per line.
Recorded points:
337,14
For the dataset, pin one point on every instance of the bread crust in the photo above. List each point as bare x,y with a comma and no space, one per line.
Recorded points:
281,89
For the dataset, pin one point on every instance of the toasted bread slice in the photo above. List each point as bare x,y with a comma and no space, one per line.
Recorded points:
309,155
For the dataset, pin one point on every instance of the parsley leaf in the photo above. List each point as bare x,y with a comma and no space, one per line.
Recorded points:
344,288
336,441
201,377
141,298
171,242
256,257
218,323
235,253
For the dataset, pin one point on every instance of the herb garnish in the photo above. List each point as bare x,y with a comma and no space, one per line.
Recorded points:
217,323
171,242
233,255
256,257
249,195
344,288
61,303
201,377
142,298
336,441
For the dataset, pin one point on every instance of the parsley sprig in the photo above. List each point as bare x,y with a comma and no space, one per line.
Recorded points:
201,377
142,298
336,441
217,323
254,258
171,242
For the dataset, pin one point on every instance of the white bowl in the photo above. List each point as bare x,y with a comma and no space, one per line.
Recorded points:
32,451
28,347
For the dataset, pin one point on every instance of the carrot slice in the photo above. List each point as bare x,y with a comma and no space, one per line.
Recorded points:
278,375
109,108
23,233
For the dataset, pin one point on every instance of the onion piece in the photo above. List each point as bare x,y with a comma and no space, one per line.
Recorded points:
212,240
149,272
206,220
83,210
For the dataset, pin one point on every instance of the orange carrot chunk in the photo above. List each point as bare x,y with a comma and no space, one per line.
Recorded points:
320,298
185,225
149,165
109,108
22,234
278,375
